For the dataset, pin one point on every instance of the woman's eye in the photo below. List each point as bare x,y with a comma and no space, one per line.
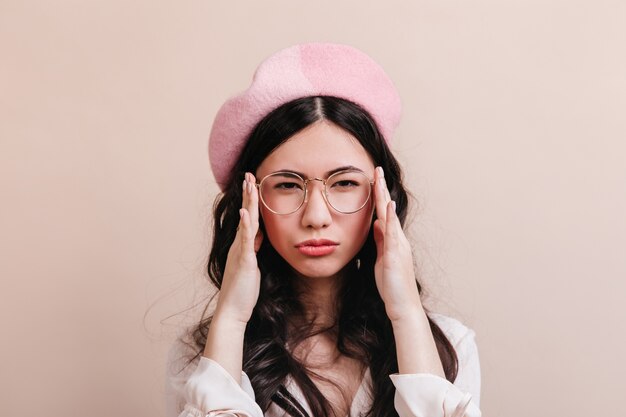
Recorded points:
345,184
288,186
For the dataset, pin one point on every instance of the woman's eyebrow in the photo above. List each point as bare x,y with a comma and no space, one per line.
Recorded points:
343,168
327,174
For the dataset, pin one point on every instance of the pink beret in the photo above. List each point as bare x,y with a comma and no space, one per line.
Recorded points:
299,71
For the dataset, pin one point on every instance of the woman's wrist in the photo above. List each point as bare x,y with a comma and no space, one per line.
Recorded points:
415,346
223,318
408,316
224,343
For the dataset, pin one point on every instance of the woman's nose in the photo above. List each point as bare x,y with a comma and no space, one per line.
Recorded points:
316,212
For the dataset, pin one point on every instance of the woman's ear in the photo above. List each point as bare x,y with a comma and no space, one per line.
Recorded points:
258,239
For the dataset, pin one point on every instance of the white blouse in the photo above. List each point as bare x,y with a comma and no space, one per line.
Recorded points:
205,389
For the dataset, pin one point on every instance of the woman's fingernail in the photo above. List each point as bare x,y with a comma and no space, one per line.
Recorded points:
243,186
393,206
380,172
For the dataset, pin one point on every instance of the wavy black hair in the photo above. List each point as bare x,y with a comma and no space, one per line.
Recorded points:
362,329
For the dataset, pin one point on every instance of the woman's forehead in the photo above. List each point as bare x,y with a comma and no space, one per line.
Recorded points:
316,150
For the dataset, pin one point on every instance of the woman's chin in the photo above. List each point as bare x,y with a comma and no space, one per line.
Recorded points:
320,271
317,274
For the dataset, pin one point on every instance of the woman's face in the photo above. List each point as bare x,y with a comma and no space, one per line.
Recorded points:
315,151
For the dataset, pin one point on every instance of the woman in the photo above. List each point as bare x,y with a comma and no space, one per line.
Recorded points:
318,310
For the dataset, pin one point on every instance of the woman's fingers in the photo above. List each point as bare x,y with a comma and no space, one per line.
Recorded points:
245,195
244,232
244,203
248,229
243,229
393,228
385,207
381,196
253,200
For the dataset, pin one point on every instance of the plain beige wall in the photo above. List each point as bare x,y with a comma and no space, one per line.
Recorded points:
512,140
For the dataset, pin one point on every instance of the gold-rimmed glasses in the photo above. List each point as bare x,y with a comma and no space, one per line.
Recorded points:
284,192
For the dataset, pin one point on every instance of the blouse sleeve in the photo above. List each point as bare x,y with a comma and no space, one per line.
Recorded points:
428,395
205,389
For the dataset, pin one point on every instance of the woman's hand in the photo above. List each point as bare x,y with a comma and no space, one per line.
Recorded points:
240,287
241,281
395,276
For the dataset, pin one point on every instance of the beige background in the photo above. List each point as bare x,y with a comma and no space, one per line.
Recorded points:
512,139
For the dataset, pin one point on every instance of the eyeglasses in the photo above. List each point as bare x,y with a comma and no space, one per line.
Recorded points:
285,192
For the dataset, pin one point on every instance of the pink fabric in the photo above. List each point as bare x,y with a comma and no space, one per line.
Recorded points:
300,71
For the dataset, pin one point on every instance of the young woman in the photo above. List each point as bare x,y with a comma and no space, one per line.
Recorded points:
318,310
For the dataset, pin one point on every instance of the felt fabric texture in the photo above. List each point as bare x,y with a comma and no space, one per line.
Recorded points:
302,70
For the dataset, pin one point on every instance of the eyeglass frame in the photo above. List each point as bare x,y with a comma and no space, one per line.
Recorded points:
306,190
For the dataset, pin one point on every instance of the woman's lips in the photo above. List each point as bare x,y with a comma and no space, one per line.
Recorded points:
317,247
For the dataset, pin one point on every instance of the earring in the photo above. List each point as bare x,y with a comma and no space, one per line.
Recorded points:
358,263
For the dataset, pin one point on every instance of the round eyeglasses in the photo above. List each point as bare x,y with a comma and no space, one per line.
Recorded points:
285,192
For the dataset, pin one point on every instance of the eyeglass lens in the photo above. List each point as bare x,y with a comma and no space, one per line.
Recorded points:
346,191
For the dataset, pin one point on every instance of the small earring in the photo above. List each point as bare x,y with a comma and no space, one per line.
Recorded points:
358,263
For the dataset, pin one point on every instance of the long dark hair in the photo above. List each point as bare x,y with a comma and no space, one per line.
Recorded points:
362,329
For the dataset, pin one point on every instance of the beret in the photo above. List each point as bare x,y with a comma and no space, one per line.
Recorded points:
310,69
